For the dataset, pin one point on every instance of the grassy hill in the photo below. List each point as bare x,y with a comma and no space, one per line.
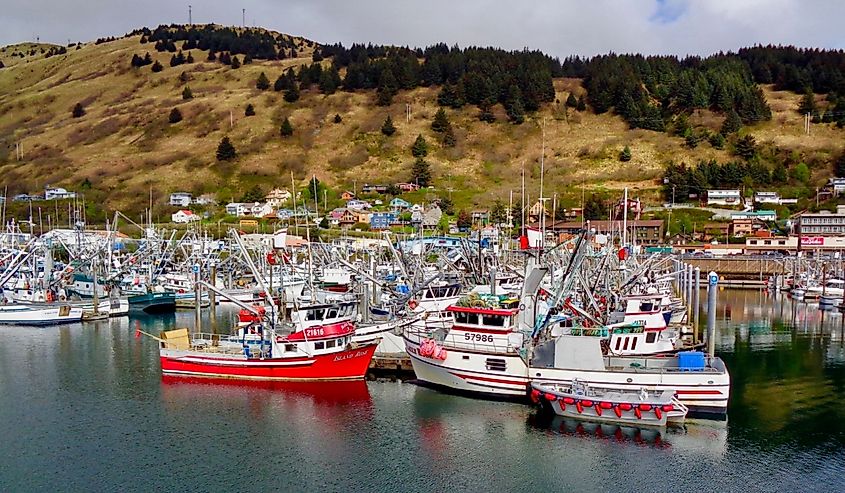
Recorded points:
124,146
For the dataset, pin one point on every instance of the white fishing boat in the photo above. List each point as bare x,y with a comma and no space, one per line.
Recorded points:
625,407
33,315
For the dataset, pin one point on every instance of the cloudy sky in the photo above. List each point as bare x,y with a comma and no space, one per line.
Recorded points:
558,27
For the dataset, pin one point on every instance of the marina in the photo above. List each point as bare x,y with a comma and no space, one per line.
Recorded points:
92,411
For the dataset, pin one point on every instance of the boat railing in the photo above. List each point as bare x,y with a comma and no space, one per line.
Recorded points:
657,365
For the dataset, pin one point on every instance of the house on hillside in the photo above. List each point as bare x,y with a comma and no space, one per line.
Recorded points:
236,209
480,216
57,193
370,188
181,199
408,187
348,218
259,209
358,204
724,197
399,205
184,216
205,199
347,195
382,220
334,217
277,197
761,215
431,217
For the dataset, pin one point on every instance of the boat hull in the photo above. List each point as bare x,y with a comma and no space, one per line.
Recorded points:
153,303
350,364
23,315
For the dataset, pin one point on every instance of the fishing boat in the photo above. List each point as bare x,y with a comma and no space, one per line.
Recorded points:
584,402
31,315
153,303
307,350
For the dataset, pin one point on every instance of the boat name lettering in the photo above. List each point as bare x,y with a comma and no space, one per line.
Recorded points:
314,332
357,354
478,337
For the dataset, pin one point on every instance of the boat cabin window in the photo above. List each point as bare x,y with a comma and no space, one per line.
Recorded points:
618,342
634,343
316,314
650,337
646,306
332,313
466,318
290,347
319,345
340,342
330,344
493,320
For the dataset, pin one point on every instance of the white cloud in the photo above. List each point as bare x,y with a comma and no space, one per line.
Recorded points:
557,27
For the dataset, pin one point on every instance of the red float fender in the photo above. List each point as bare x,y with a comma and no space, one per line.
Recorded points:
535,396
638,413
587,403
550,397
618,411
578,407
645,407
598,409
668,408
657,412
625,406
606,405
569,400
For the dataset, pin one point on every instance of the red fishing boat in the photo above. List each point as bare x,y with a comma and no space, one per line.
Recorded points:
317,345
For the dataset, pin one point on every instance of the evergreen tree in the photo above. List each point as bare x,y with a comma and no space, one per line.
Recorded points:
247,59
136,61
513,105
250,110
808,102
329,80
420,147
717,140
801,173
447,206
464,219
183,77
187,94
731,124
225,150
78,111
625,155
148,59
839,168
594,208
189,58
779,175
235,62
571,100
441,121
286,129
486,114
421,172
582,106
211,56
746,147
449,139
175,116
157,67
387,128
337,118
292,94
263,83
498,213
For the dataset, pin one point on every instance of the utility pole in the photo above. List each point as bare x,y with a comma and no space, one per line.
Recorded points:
243,17
190,20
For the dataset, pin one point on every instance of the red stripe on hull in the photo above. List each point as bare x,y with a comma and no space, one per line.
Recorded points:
488,379
345,365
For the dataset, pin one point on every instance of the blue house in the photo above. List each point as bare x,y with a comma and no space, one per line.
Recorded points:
382,220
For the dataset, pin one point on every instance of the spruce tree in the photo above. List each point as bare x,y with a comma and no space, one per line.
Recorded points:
175,116
235,62
387,127
157,67
183,77
779,174
808,102
582,106
486,114
337,118
625,155
731,124
839,168
449,139
513,105
286,129
571,100
78,111
250,110
247,59
441,121
421,172
292,94
225,150
187,94
211,56
420,147
263,83
746,147
189,58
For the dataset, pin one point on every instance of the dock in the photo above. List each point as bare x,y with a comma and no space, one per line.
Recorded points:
392,365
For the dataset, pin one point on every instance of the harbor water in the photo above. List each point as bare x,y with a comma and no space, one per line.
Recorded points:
84,407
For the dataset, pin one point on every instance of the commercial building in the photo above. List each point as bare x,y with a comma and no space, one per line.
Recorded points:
724,197
822,223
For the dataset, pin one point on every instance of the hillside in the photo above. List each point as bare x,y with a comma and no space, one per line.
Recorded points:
124,146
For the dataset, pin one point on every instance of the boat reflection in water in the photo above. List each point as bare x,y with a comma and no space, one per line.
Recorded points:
697,437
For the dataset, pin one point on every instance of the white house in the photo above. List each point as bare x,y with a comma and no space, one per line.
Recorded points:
259,209
724,197
184,216
205,199
767,197
277,197
57,193
180,199
837,185
236,209
358,204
